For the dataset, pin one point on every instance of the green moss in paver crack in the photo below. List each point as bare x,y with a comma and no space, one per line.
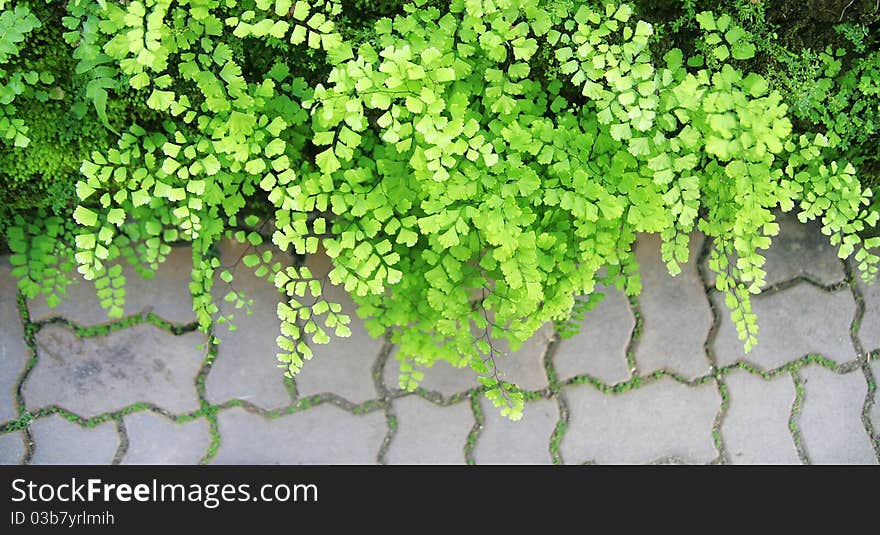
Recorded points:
675,311
476,429
874,408
720,447
794,418
794,322
91,376
600,348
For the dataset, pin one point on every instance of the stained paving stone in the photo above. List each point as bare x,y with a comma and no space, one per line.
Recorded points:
246,366
831,417
665,419
59,441
524,367
526,441
154,439
792,323
321,435
677,316
869,328
800,249
428,433
11,447
755,428
90,376
13,351
167,295
599,349
344,366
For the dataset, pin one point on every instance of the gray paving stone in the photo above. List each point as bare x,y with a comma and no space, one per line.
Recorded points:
869,329
246,366
660,420
526,441
13,351
799,250
676,313
600,348
11,447
154,439
831,417
320,435
792,323
428,433
166,294
59,441
442,377
525,367
755,428
345,365
875,408
90,376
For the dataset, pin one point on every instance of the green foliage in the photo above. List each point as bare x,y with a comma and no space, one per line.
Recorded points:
472,169
845,101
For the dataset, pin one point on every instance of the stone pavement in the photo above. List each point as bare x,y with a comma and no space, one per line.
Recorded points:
660,378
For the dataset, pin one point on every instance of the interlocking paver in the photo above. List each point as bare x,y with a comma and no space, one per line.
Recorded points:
869,329
676,313
11,447
831,417
792,323
154,439
344,366
525,441
246,366
321,435
659,420
428,433
166,295
600,348
90,376
798,250
59,441
755,428
13,351
525,367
